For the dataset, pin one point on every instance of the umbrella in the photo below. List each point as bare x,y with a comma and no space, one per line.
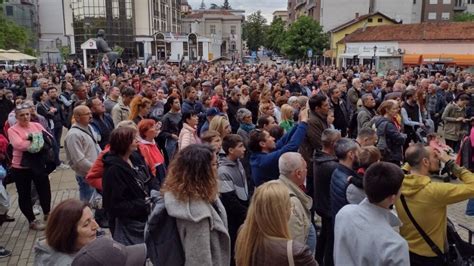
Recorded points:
14,55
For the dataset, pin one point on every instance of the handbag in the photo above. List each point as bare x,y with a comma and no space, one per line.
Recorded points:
451,258
382,143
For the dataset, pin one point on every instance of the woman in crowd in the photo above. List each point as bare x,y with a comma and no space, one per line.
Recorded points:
245,95
194,186
71,226
287,122
127,183
148,130
43,108
188,134
139,108
21,136
266,108
220,124
391,139
170,126
244,117
264,238
252,105
220,104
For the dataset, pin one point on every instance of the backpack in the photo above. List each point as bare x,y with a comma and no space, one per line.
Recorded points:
162,239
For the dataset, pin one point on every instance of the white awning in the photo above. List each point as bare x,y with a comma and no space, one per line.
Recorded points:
348,55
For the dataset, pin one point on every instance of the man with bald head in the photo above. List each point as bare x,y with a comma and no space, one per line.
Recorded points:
82,148
427,201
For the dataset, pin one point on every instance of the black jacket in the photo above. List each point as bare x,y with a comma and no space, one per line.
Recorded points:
125,188
323,166
231,113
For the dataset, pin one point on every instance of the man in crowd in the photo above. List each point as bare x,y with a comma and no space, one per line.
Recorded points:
366,112
102,122
325,162
367,137
293,171
121,110
82,148
341,114
363,234
265,152
427,201
111,99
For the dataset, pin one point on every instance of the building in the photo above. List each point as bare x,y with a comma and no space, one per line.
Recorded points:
185,7
446,43
298,8
25,14
338,33
282,14
437,10
130,25
222,27
404,11
53,30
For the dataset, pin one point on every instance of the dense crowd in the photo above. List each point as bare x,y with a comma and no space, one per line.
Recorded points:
210,164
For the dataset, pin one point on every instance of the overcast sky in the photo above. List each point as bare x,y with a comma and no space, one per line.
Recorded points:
250,6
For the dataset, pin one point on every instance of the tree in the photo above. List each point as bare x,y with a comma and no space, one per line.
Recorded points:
13,36
253,30
464,17
275,35
226,5
214,6
304,34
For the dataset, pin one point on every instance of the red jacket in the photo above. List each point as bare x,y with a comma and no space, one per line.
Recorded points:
94,176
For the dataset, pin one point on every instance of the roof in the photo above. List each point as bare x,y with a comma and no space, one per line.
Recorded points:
200,14
359,19
456,31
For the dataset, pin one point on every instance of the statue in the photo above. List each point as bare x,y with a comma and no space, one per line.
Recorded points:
103,47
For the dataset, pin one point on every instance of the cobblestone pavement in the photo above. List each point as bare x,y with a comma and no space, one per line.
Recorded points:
17,237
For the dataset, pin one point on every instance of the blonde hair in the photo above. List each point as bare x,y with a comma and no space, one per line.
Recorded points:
219,123
263,107
286,112
267,216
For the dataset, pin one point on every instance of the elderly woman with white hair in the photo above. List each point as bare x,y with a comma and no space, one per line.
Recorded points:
244,117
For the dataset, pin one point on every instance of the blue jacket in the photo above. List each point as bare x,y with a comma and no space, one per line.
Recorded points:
338,188
265,165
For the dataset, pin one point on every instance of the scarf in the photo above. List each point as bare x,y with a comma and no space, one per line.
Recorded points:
247,127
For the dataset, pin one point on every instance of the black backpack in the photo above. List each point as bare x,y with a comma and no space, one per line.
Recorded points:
161,235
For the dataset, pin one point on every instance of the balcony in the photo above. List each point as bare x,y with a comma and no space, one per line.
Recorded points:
461,7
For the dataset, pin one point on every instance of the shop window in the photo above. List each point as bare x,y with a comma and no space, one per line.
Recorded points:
432,16
445,16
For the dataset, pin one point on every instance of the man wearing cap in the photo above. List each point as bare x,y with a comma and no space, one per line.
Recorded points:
105,251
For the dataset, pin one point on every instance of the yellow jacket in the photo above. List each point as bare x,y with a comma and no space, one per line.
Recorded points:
427,202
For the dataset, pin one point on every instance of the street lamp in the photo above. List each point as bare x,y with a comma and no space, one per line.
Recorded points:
373,59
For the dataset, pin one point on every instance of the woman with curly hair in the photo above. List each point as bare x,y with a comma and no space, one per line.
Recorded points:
139,108
191,196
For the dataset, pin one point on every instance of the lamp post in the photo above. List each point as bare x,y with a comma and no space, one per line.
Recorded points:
373,59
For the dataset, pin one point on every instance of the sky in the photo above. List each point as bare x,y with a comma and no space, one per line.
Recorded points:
250,6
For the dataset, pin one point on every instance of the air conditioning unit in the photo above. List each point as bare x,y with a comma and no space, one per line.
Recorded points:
401,51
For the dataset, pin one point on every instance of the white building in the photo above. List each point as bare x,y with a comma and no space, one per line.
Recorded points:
222,27
332,15
52,29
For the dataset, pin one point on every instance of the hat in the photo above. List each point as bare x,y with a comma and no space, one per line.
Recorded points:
105,251
207,84
212,111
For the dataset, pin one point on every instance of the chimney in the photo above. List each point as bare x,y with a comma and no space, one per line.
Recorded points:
357,15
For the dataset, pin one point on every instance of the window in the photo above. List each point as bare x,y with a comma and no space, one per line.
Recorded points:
200,52
433,2
446,2
212,29
432,16
9,10
369,20
380,20
445,16
233,29
185,48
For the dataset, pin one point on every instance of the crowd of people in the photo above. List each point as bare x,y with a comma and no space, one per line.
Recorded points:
257,164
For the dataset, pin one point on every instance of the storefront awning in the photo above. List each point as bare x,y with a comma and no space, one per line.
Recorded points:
454,59
412,59
348,55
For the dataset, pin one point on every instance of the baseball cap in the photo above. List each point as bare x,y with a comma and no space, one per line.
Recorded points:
105,251
212,111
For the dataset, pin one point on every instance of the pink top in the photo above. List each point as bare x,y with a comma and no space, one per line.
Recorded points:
18,137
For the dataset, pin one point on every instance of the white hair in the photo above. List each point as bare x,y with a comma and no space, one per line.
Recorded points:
289,162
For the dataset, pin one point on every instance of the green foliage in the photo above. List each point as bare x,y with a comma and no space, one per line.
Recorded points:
275,35
118,49
303,34
13,36
253,30
65,51
464,17
214,6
